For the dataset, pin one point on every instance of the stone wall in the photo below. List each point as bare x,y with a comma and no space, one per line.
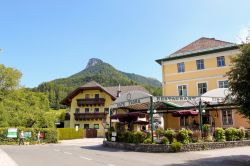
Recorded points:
157,148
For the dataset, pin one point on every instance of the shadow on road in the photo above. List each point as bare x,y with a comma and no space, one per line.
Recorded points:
236,160
102,148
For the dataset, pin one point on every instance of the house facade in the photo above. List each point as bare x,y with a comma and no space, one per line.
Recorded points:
195,69
88,106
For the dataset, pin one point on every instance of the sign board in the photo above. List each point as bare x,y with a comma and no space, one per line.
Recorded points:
114,134
12,133
27,134
113,139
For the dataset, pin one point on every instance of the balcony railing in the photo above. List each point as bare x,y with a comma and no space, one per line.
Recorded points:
92,101
90,116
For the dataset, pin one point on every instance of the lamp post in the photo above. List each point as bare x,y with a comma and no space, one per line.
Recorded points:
151,118
200,112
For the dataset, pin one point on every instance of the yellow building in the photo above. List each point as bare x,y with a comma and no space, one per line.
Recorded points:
195,69
89,105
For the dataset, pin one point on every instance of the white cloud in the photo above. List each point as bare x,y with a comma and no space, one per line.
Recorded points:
243,35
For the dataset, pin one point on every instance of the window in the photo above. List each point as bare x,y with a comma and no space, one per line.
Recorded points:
182,90
77,110
106,110
96,110
96,126
221,61
223,84
200,64
227,118
87,96
183,121
96,96
86,126
202,88
181,67
86,110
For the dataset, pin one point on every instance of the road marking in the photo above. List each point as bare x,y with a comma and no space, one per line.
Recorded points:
57,150
85,158
67,152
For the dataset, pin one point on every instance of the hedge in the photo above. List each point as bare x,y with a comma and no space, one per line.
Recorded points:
51,135
70,133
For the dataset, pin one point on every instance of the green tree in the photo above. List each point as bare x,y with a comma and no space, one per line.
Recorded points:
239,80
9,80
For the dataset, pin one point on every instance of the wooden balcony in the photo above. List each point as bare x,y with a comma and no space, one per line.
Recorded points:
90,116
91,101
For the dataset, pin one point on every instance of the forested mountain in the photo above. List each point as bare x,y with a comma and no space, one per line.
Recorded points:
99,71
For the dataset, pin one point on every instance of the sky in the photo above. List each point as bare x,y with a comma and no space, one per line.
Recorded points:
50,39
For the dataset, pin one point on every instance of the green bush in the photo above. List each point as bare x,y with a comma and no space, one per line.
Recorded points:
70,133
148,141
170,134
138,137
164,140
183,136
160,132
219,134
176,146
231,134
51,135
241,133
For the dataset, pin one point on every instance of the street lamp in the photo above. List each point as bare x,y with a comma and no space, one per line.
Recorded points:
201,111
151,112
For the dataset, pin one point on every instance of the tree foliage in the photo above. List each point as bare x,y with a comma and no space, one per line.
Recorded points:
20,106
239,80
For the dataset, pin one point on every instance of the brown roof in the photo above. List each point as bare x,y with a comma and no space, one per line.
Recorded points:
202,44
112,91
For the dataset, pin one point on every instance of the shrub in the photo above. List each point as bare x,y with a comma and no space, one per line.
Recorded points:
70,133
170,134
206,127
160,132
176,146
219,134
138,137
183,136
130,137
148,141
231,134
164,140
208,138
196,136
241,133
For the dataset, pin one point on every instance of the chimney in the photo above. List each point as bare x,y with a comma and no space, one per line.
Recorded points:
119,91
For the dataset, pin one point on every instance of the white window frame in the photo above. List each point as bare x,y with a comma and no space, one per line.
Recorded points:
183,68
218,83
199,64
197,87
232,112
220,61
182,85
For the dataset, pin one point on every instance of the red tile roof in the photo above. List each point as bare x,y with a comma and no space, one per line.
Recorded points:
202,44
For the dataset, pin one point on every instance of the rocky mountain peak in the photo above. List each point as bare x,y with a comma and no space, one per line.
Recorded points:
93,62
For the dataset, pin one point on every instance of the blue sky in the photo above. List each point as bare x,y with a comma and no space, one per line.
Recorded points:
49,39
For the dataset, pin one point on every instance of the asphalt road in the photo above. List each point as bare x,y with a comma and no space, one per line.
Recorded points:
97,155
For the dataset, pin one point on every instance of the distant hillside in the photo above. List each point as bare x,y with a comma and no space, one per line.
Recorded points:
99,71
